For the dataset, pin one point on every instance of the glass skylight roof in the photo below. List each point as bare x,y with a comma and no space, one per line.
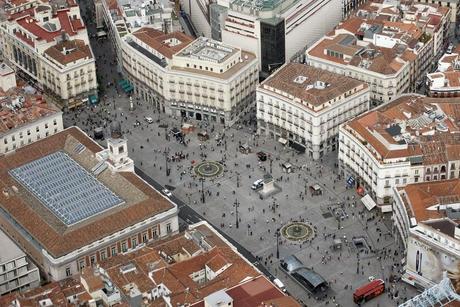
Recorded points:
68,190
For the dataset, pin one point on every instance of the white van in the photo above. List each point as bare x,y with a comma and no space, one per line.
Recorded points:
149,120
279,284
257,184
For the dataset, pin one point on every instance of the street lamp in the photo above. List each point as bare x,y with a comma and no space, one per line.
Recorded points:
166,152
278,243
237,222
274,206
237,179
202,190
271,162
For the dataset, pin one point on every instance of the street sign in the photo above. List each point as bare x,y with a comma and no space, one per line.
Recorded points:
351,181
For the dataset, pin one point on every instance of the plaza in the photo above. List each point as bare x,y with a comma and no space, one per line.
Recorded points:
368,246
367,249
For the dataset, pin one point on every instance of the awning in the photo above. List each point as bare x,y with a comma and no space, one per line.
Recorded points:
93,99
122,82
368,202
101,33
299,147
283,141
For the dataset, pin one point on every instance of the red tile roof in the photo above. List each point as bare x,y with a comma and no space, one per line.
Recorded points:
56,292
176,276
69,51
157,40
68,26
53,235
258,292
420,196
432,148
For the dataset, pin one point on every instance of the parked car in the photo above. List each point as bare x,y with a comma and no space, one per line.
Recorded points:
148,119
166,192
257,184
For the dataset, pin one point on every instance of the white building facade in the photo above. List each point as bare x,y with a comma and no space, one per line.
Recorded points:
398,144
275,31
201,79
16,270
429,230
290,106
51,47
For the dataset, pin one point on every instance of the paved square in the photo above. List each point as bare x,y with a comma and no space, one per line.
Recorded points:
336,214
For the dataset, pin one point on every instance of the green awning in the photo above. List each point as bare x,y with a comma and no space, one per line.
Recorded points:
128,89
93,99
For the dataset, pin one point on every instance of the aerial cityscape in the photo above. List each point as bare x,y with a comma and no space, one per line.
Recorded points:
246,153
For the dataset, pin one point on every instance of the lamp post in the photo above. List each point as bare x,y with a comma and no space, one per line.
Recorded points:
202,190
166,152
278,243
237,222
237,179
271,162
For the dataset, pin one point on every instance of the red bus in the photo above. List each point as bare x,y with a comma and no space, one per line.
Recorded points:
369,291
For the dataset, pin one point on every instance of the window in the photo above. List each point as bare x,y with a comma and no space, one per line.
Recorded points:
93,259
37,129
54,122
68,272
123,247
154,232
28,132
113,251
168,228
133,242
144,237
46,126
5,141
81,264
102,254
121,149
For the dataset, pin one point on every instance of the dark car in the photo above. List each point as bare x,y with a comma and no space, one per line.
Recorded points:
262,156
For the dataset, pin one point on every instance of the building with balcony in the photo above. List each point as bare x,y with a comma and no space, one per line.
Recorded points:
48,43
69,292
123,17
16,270
445,82
68,222
410,140
425,216
194,78
305,106
25,117
192,268
391,48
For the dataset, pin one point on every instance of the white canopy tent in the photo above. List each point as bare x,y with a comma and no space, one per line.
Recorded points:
368,202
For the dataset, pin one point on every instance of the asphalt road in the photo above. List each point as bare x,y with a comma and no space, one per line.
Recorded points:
187,214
